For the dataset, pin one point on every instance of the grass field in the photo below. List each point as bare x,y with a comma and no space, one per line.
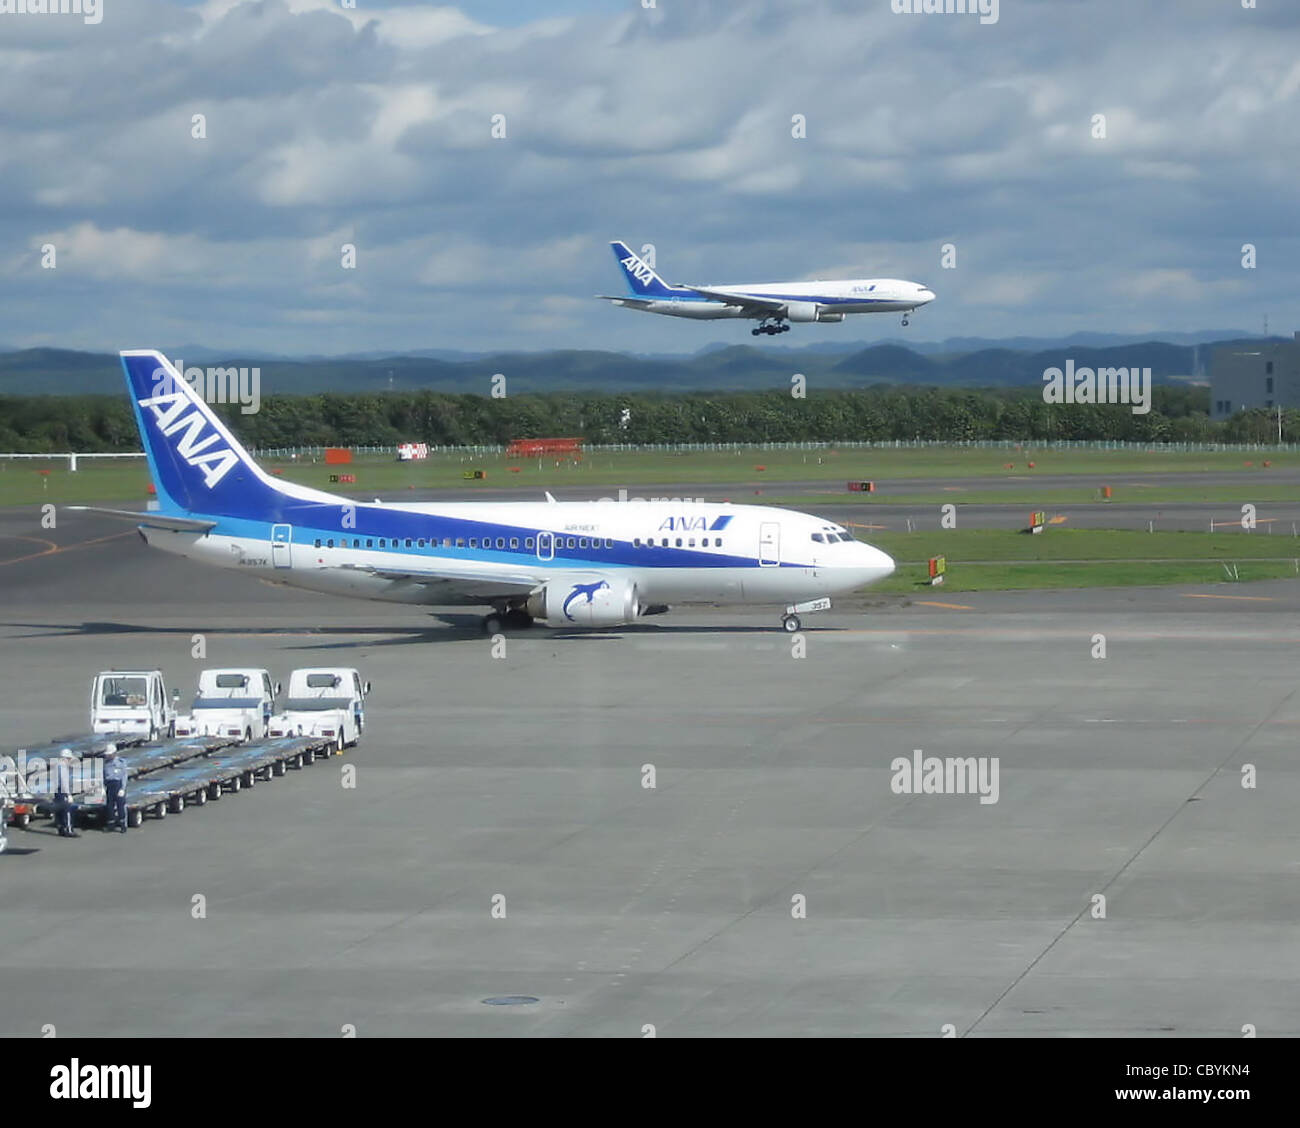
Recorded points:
22,482
992,560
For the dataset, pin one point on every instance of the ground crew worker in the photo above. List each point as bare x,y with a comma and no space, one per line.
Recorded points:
63,794
115,773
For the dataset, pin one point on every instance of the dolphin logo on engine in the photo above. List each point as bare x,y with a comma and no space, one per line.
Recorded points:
589,590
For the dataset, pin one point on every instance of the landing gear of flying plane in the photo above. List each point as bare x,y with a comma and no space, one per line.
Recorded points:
904,321
791,621
770,327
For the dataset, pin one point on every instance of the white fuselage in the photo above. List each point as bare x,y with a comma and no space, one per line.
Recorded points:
830,298
674,551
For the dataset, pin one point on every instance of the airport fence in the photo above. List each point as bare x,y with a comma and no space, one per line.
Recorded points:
879,444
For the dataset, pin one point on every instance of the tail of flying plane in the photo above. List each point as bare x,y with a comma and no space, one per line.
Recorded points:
197,465
642,281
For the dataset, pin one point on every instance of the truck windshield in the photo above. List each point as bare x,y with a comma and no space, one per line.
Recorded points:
315,704
124,692
227,703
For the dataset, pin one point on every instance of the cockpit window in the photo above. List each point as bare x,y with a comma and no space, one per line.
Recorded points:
846,536
819,538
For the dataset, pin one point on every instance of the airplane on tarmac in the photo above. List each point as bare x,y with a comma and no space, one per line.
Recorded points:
568,564
773,304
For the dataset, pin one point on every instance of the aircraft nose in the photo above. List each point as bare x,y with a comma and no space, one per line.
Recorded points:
924,295
872,564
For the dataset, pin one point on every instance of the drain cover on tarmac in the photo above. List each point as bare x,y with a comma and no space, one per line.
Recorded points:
511,1000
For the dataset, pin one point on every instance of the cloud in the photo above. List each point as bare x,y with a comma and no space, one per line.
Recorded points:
374,125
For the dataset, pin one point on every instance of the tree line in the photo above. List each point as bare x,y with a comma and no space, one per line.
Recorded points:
1179,413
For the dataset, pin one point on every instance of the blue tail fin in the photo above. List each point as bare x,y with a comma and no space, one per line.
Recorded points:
197,465
642,281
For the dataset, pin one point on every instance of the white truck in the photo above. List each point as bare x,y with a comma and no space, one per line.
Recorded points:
231,702
131,703
324,701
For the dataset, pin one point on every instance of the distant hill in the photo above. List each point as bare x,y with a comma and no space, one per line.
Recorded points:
45,371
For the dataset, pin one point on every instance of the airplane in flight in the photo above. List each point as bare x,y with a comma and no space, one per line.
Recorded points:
773,304
568,564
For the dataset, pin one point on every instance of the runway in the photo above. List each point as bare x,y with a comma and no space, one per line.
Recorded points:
675,907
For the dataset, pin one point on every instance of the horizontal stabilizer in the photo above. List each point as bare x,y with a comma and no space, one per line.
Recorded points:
151,520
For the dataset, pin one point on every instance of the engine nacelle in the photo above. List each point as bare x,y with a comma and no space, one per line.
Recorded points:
822,315
593,603
801,311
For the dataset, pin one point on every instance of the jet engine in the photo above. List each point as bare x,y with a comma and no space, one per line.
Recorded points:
801,311
586,602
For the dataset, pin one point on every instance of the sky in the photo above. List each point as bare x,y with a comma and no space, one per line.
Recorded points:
662,122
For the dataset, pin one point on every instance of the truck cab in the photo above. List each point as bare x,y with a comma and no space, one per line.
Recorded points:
237,703
325,701
131,703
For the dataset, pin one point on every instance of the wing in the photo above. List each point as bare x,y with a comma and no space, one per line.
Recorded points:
151,520
631,303
470,586
735,298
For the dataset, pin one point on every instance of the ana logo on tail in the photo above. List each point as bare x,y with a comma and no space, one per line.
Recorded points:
170,417
638,270
589,590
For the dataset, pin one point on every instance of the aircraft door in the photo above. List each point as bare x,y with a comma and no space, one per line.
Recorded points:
282,546
545,546
769,544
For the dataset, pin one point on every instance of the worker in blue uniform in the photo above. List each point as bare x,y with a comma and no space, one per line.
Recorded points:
115,776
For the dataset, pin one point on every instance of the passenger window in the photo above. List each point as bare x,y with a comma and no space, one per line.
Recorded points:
356,542
318,542
383,542
664,542
419,543
514,542
329,543
636,542
446,542
408,542
609,543
460,542
473,542
571,544
370,542
501,542
691,543
528,543
582,542
679,542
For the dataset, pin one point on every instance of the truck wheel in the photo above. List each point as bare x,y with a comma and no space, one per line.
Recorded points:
214,791
22,820
200,796
279,768
177,804
233,784
249,779
160,810
135,818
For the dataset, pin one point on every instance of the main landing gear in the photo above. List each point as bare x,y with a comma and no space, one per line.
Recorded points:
771,327
904,321
513,617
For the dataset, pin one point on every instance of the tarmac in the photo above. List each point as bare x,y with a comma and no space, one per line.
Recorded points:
501,843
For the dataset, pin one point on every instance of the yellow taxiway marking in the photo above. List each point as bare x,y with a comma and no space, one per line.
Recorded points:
1247,598
53,549
950,606
1237,521
1059,519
